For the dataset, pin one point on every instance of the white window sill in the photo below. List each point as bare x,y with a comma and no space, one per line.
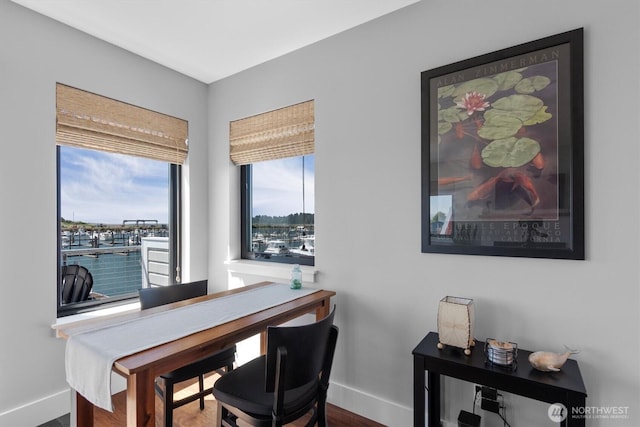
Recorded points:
125,308
277,271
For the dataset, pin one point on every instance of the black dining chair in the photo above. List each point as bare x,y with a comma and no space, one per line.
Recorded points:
224,359
77,283
290,381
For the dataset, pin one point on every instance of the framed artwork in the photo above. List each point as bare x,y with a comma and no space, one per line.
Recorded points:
503,152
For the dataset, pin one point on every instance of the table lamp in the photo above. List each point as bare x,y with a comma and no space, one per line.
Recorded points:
455,323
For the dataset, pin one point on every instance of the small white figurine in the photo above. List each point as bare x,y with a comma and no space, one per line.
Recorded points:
547,361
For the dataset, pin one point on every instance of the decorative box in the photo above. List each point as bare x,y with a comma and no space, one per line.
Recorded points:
502,353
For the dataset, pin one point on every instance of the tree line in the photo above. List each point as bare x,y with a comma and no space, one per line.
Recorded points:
291,219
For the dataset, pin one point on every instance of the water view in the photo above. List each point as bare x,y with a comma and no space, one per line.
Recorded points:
112,254
103,196
270,240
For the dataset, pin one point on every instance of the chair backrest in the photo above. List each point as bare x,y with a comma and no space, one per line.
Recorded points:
76,285
309,351
153,297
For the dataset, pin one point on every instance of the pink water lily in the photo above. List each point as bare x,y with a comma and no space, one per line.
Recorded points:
472,102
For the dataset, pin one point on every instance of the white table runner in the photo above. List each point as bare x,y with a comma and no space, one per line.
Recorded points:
90,355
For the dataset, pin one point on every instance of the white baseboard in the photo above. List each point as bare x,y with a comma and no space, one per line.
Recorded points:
49,408
382,411
38,412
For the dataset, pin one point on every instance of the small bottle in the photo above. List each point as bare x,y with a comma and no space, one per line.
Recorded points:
296,277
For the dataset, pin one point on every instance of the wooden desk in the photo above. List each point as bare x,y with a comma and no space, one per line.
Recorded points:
141,369
564,387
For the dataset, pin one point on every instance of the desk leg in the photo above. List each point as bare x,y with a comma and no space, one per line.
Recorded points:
433,384
418,391
84,411
263,343
324,309
140,400
574,401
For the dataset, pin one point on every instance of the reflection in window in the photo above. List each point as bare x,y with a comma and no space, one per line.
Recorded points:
114,221
278,215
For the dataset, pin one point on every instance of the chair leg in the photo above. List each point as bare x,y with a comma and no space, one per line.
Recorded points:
228,419
277,422
218,422
168,403
313,419
322,411
201,384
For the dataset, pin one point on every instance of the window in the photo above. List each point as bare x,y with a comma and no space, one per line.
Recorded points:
275,151
118,198
278,210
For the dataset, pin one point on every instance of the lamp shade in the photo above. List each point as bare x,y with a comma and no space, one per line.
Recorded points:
455,323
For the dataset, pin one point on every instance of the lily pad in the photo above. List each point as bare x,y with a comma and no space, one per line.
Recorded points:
444,127
532,84
485,86
445,91
524,107
499,125
507,80
540,117
510,152
452,115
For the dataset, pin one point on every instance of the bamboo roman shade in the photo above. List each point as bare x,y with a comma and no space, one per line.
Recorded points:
286,132
87,120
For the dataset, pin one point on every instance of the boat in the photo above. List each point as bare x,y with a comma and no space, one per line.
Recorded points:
306,248
258,245
276,247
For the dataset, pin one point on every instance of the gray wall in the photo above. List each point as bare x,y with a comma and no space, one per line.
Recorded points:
35,53
366,86
366,83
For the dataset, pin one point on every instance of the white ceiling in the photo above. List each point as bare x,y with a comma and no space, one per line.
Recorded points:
212,39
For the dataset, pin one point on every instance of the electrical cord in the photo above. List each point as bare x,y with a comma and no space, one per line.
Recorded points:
504,409
504,419
475,399
502,406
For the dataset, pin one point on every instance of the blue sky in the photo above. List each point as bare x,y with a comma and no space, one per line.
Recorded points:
277,186
99,187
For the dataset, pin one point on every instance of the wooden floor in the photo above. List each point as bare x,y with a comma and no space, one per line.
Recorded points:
191,416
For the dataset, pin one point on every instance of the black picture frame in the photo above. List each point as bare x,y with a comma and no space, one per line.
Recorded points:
503,152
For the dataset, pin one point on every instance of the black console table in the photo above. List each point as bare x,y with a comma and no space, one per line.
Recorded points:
564,387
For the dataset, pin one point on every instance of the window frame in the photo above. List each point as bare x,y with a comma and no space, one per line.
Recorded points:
175,258
246,222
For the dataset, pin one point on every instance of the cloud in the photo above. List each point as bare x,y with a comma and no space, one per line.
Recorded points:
99,187
108,188
278,190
